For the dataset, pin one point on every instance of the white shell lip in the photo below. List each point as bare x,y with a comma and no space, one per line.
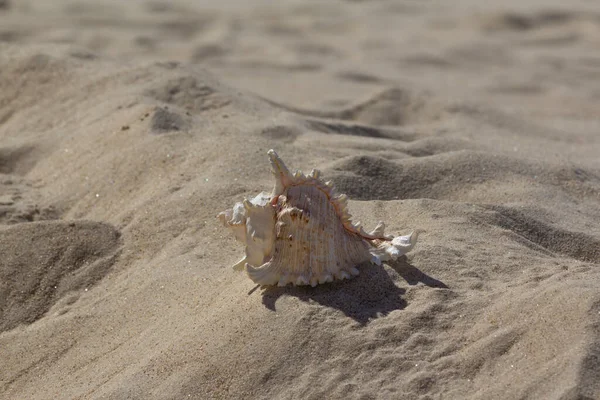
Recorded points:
301,233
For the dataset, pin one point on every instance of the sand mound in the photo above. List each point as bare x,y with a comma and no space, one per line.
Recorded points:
458,175
125,127
43,261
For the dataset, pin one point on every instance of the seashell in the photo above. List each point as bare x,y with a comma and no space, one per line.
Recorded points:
301,232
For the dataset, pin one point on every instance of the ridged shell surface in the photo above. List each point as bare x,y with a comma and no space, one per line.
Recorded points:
301,233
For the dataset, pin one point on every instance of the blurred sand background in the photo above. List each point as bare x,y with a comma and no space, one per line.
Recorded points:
126,126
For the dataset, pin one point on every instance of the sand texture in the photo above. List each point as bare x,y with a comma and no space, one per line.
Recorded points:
127,126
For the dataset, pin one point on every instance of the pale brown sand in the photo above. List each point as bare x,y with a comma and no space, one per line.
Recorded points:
125,127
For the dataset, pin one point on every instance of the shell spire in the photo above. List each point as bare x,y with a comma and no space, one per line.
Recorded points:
283,176
302,233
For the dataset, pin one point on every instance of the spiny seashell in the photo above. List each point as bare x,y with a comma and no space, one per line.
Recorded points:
301,233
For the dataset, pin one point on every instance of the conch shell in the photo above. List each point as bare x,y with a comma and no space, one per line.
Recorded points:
301,233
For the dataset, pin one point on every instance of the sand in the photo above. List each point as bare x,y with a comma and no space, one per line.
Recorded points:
125,127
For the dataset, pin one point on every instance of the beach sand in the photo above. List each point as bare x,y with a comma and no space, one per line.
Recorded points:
126,127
